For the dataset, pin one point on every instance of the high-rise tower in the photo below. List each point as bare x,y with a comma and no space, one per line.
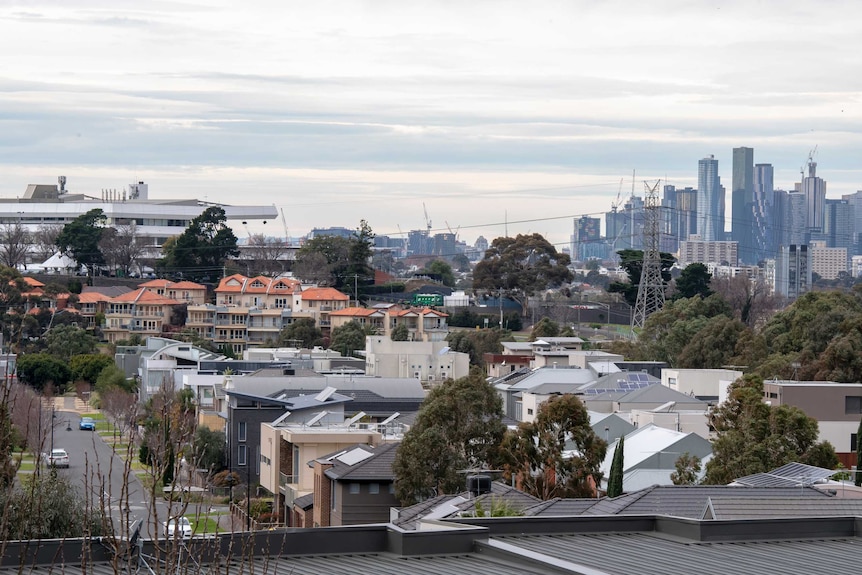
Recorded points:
762,213
742,194
710,203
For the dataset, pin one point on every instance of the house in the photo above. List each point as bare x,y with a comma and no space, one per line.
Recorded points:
837,407
319,302
353,486
707,384
140,312
183,291
650,454
431,362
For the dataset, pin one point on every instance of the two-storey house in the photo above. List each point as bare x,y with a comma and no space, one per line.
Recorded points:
140,312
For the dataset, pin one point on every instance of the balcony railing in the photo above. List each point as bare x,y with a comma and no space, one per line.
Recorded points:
285,480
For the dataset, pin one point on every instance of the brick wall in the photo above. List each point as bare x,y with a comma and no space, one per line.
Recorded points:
322,495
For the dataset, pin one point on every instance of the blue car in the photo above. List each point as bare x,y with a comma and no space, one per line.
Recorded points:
87,423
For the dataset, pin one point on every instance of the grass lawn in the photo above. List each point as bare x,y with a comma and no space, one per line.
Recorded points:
204,525
27,466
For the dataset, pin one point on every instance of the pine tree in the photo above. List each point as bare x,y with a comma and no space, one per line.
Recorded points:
615,479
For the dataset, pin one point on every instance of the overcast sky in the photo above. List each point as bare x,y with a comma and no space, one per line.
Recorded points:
488,112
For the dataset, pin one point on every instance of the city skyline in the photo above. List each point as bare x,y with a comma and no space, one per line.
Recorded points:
497,118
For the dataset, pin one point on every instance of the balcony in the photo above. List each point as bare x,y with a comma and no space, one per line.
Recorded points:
285,480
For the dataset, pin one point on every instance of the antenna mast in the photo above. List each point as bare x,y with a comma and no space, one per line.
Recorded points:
651,288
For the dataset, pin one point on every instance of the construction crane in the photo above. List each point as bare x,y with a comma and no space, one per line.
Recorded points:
453,232
810,162
616,203
284,223
427,219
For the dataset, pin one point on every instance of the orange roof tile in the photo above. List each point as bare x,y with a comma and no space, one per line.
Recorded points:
156,283
186,284
92,297
33,282
356,312
143,295
323,294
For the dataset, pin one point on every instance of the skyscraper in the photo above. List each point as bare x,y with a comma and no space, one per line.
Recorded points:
586,242
761,209
814,189
742,195
710,203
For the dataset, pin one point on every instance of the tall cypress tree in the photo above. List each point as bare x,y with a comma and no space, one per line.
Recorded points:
615,479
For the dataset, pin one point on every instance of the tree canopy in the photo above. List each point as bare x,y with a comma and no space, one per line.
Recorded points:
476,343
754,437
694,280
632,261
458,428
558,454
521,266
199,253
343,263
40,370
349,339
80,238
301,333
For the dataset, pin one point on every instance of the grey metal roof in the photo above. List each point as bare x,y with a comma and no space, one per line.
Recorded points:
376,467
654,554
304,502
730,507
674,500
789,475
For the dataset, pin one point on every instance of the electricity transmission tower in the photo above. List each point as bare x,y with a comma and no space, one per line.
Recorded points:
651,288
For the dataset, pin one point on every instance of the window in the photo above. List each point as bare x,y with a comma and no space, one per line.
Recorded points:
852,404
354,488
241,456
333,490
242,432
391,489
529,411
853,442
373,488
296,463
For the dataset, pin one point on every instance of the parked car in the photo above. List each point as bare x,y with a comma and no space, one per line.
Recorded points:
57,458
179,527
87,424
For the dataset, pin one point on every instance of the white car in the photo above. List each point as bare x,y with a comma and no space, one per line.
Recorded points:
179,527
57,458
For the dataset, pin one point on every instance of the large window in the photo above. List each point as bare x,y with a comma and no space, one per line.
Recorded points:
242,456
242,431
354,488
852,404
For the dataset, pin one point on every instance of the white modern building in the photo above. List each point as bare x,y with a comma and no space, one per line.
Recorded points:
155,220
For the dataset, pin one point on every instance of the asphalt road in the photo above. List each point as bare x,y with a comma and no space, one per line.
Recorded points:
102,477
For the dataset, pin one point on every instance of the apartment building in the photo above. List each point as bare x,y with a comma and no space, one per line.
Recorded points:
423,324
182,291
139,312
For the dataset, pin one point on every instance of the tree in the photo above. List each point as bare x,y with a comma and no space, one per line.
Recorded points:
208,449
752,301
545,328
120,406
558,454
349,339
43,370
267,252
80,239
12,313
112,377
67,340
121,247
477,343
519,267
753,437
459,426
713,346
400,333
694,280
14,244
632,261
461,262
301,333
87,367
199,253
337,261
615,479
667,332
441,269
687,471
45,240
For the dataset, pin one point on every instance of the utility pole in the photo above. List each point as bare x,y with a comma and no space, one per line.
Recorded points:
651,288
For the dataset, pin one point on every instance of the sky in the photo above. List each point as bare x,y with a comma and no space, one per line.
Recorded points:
496,117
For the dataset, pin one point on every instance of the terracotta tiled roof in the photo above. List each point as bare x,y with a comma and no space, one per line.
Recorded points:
233,283
417,311
143,295
93,297
156,283
323,294
357,312
185,284
33,282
